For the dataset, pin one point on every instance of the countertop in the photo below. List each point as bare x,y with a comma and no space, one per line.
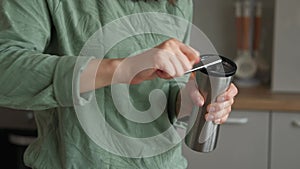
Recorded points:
262,98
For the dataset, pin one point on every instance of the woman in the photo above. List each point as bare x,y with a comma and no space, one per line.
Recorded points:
39,45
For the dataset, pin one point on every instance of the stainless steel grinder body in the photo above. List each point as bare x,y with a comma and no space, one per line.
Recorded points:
203,135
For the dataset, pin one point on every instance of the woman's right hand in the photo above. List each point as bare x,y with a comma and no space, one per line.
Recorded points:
170,59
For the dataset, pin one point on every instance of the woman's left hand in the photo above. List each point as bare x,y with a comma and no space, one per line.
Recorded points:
220,110
217,112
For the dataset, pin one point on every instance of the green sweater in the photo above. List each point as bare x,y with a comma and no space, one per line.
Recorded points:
45,44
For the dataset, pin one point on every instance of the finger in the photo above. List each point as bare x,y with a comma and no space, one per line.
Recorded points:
193,56
224,119
165,68
177,66
221,120
229,94
218,115
197,52
163,75
209,117
186,64
196,97
222,113
218,106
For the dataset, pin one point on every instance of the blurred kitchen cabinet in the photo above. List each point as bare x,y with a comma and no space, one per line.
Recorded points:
285,141
285,77
243,143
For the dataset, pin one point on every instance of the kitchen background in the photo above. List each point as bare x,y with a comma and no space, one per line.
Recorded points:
263,131
216,18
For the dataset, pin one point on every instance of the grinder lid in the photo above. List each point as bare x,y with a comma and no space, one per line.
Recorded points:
226,68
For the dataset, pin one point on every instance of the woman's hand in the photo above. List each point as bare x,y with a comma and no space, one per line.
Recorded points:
170,59
220,110
217,112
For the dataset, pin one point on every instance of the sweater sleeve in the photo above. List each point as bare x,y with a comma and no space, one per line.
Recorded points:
29,78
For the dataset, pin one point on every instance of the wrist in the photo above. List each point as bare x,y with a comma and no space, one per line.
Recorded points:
105,72
98,73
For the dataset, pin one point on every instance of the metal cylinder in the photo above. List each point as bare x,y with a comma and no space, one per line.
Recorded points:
202,135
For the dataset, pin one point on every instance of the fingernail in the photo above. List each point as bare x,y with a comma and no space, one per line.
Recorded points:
210,117
212,109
